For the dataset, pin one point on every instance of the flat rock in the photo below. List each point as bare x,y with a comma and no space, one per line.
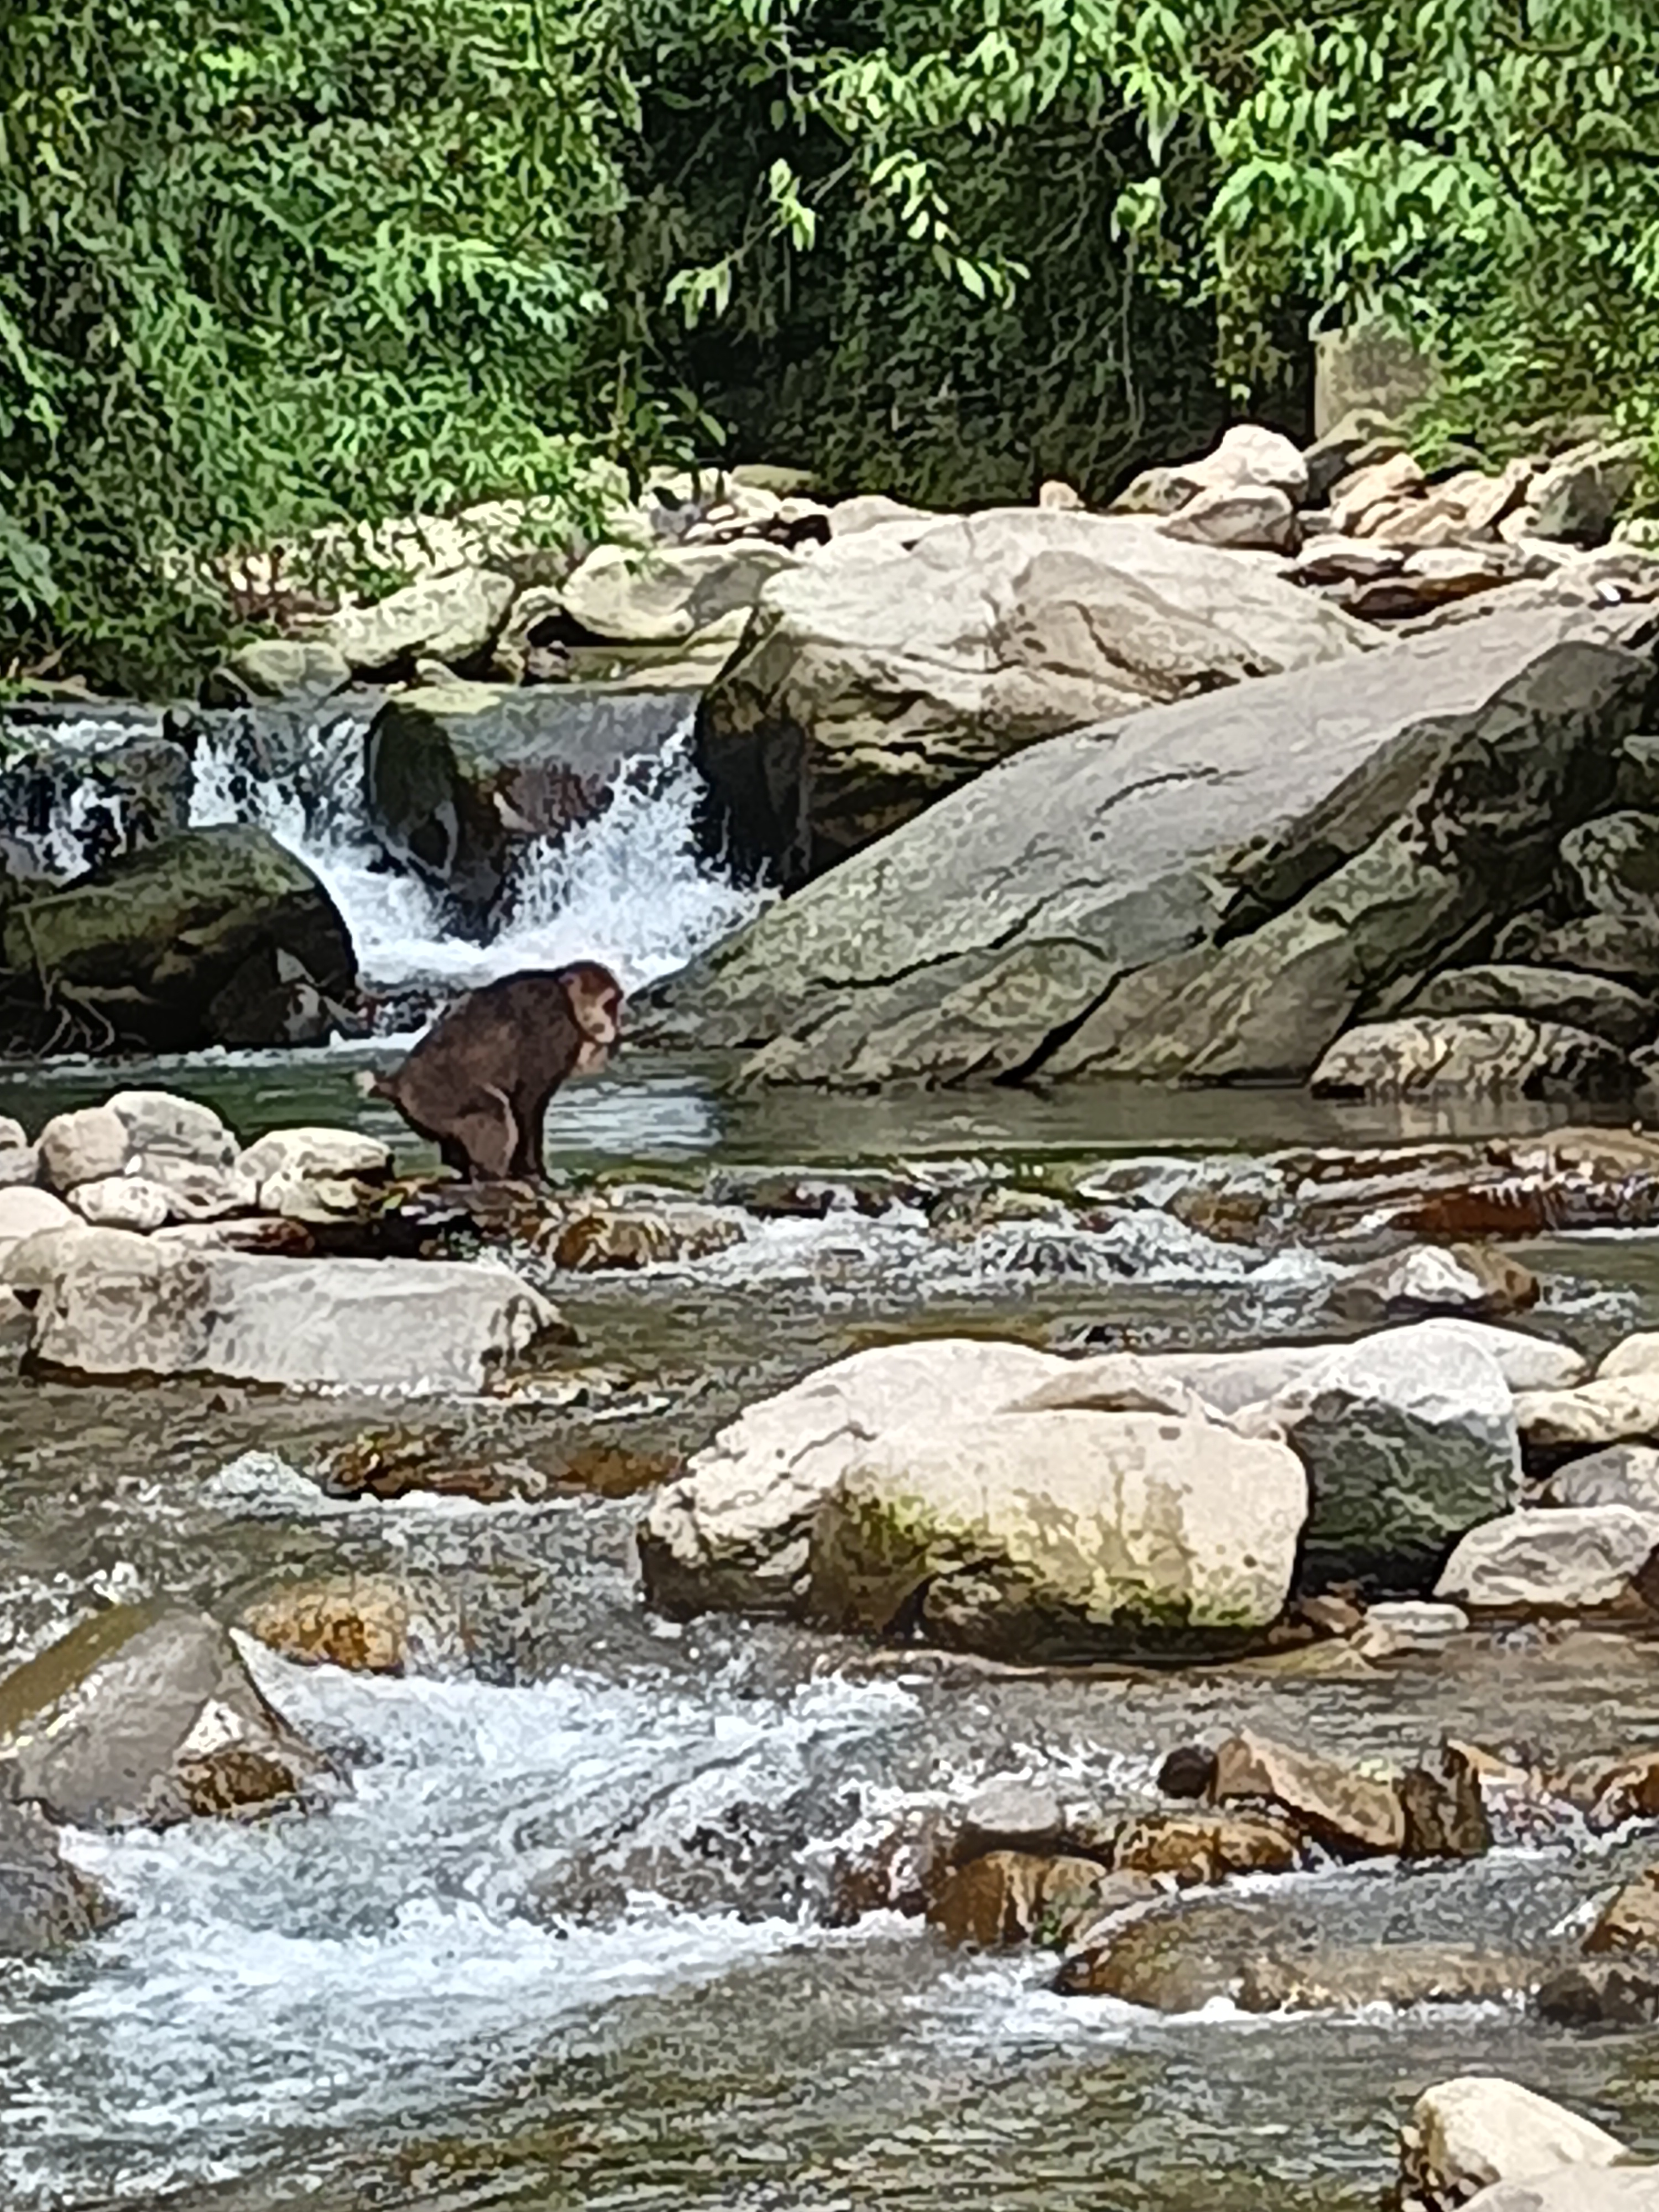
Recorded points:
1008,1816
1394,1629
120,1305
1552,1559
313,1152
1198,1849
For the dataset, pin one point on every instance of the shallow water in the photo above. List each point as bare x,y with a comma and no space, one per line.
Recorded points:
563,1942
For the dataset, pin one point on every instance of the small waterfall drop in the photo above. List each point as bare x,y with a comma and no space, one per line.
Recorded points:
627,887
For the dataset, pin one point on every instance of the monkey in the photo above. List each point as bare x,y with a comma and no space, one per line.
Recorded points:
478,1083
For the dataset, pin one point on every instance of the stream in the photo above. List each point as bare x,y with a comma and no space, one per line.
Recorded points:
569,1935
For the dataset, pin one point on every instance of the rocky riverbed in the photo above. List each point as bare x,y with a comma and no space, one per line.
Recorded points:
563,1897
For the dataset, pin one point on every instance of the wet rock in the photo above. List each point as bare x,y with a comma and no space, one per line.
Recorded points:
1407,1437
1471,1055
1445,1815
1620,1474
1014,1897
121,1202
1630,1921
873,680
1578,1559
134,954
1475,2129
1596,1003
1060,1533
25,1214
734,1533
1178,1958
1008,1816
45,1903
366,1623
1431,1279
1612,2189
600,1237
899,1872
1329,1614
1188,1772
453,617
1612,864
88,1146
1601,1992
120,1305
1390,1630
1353,1815
1195,1849
141,1716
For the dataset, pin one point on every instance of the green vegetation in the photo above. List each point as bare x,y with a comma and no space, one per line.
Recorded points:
266,265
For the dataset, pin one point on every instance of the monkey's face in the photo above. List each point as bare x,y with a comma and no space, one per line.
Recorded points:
596,1007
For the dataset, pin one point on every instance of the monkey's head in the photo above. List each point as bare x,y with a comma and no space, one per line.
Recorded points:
596,1004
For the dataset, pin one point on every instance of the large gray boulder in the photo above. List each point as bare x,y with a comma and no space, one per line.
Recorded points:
116,1304
897,664
141,1716
453,617
458,775
1212,889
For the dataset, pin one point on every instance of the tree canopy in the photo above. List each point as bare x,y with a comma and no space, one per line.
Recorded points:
268,264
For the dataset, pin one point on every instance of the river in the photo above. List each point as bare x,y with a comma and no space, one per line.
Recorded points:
567,1939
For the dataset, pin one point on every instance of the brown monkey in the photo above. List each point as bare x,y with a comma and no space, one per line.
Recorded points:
478,1082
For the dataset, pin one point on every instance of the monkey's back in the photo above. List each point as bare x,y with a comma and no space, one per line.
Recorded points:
514,1037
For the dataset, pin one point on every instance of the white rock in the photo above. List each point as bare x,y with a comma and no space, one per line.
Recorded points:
161,1125
1041,1533
1636,1355
1410,1625
1244,515
734,1530
1572,2189
84,1146
1556,1559
121,1202
13,1135
673,594
1616,1409
1478,2129
19,1164
1249,455
310,1152
127,1305
1618,1475
23,1214
451,618
196,1193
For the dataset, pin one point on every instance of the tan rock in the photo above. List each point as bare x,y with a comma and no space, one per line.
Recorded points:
1635,1355
1015,1897
1355,1815
121,1202
1477,2128
358,1622
1630,1921
1355,497
1195,1848
1618,1408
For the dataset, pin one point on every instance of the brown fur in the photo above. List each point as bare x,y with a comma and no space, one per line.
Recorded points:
478,1082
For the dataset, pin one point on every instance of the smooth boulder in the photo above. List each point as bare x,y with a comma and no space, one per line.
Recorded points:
1476,2130
733,1533
1557,1558
895,665
1059,1534
1409,1437
1471,1056
453,617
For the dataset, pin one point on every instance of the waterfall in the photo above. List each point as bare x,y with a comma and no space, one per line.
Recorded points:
629,887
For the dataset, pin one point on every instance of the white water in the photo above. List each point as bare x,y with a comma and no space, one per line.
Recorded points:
628,888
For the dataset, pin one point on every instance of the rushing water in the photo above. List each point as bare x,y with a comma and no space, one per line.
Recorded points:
566,1937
